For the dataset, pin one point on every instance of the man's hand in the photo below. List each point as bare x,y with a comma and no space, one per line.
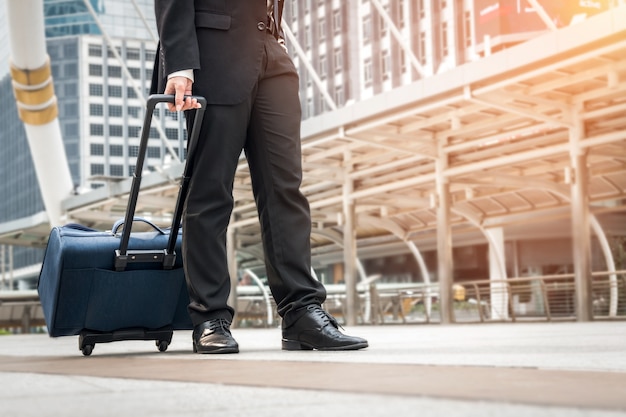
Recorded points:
180,87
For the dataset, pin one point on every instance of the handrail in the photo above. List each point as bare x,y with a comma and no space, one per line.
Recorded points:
266,296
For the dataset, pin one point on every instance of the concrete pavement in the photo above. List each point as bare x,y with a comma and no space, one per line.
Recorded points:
518,369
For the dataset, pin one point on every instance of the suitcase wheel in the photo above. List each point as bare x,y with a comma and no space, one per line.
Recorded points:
87,349
162,345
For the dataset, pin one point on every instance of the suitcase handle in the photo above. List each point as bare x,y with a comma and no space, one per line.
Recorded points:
169,256
121,222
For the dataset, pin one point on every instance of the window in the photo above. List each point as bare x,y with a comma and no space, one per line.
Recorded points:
467,23
134,131
115,111
70,70
115,72
116,150
322,66
69,50
322,29
70,90
97,169
338,59
116,170
95,70
130,93
115,130
95,50
115,91
95,90
294,10
96,149
367,72
153,152
96,130
110,52
386,64
96,109
337,21
133,53
171,133
71,129
171,115
384,29
339,95
367,29
135,72
133,151
70,109
133,111
444,39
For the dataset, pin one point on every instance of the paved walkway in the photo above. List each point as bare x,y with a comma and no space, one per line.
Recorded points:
521,369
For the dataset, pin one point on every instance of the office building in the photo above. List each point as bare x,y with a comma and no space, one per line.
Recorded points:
100,108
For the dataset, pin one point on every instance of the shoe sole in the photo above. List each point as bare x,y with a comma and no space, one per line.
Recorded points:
215,350
295,345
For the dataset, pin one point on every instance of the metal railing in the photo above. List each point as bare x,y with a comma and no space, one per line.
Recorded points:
537,298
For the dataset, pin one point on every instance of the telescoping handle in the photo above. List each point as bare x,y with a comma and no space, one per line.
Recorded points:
167,256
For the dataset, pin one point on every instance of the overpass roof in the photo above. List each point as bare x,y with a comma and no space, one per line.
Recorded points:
500,131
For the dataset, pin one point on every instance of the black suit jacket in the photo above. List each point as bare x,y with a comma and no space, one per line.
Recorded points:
221,40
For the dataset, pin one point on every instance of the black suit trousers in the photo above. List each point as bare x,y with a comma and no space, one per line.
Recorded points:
267,127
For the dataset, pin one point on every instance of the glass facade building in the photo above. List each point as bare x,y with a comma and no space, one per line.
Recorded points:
100,106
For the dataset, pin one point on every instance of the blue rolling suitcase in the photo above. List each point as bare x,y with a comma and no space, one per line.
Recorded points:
118,285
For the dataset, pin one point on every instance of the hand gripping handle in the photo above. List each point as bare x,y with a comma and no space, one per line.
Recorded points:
151,103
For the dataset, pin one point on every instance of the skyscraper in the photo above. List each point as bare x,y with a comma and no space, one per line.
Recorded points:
100,102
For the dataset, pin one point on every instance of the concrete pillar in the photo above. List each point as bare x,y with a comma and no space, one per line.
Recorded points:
581,234
499,294
349,254
444,242
232,266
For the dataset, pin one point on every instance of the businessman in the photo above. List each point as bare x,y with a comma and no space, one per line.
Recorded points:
232,53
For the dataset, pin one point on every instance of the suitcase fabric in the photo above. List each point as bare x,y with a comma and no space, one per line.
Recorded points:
80,289
105,286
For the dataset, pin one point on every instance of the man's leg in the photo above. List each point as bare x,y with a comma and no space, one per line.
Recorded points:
208,209
274,157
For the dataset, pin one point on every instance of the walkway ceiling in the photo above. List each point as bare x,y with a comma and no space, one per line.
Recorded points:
499,129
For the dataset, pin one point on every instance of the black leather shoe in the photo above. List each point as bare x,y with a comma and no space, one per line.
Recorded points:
213,336
316,329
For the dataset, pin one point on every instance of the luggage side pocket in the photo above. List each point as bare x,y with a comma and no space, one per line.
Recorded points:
103,300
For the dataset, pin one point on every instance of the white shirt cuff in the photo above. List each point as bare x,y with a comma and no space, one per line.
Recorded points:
182,73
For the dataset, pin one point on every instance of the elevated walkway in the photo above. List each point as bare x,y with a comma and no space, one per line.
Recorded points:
550,369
